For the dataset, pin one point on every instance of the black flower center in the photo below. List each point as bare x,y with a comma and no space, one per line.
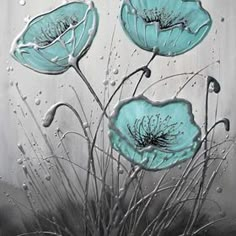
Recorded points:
54,29
154,131
164,18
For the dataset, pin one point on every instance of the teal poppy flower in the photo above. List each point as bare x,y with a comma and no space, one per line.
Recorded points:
165,27
154,135
54,41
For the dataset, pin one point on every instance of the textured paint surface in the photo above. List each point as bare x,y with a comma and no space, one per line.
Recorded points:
154,135
167,27
44,90
54,41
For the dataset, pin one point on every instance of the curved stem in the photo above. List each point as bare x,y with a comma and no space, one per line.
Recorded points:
39,232
97,147
90,159
167,78
51,113
77,69
141,78
189,80
199,201
145,70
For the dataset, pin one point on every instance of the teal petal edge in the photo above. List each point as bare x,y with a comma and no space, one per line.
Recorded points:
180,125
165,27
56,40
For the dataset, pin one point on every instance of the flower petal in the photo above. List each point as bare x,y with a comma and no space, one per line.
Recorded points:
173,117
51,40
54,21
151,160
87,33
133,26
171,27
33,59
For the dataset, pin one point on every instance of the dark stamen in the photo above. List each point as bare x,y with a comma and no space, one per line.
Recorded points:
54,30
153,131
164,18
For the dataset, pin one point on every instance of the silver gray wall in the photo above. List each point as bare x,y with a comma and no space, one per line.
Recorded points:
220,44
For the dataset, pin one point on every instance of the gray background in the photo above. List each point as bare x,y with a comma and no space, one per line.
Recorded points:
220,44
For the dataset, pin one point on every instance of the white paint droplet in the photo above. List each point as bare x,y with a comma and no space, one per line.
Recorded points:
85,125
55,59
37,101
115,71
25,186
9,68
105,82
91,31
27,18
134,11
113,83
179,167
22,2
48,177
19,161
219,190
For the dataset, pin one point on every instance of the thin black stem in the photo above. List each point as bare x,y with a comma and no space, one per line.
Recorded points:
189,80
194,212
141,78
144,69
198,202
137,85
90,159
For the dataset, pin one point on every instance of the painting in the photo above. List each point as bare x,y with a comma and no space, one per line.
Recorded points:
117,118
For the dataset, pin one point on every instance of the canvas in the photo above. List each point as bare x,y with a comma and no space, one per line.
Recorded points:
117,118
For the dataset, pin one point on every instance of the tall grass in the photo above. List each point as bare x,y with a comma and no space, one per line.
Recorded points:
107,196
